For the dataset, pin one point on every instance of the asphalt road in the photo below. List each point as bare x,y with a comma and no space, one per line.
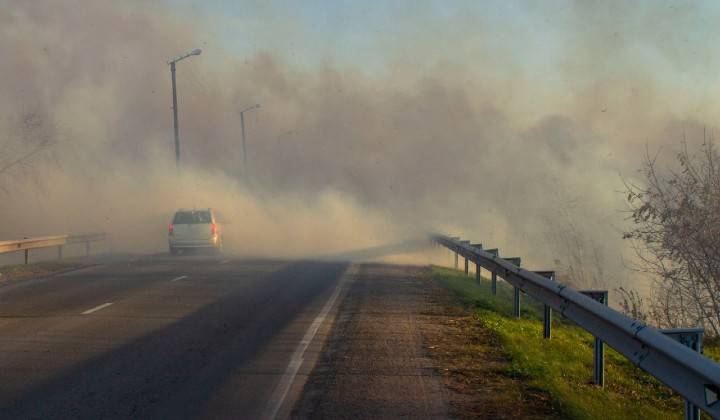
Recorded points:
164,337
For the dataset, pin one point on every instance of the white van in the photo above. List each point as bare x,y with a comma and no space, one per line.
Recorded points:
194,229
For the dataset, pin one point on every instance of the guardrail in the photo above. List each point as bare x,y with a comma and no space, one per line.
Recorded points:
686,371
59,241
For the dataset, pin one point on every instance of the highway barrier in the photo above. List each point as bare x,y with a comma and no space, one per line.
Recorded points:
59,241
672,357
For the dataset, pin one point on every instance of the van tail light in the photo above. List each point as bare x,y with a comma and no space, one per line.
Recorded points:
170,229
213,229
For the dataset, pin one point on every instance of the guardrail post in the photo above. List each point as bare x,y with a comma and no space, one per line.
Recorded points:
60,252
493,274
27,252
692,338
516,290
599,376
478,273
599,348
467,268
547,322
547,311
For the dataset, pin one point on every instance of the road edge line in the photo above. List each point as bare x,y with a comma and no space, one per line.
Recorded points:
277,399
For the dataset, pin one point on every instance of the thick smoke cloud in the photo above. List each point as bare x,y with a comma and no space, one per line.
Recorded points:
338,159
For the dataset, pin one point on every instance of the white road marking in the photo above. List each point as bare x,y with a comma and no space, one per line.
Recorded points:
97,308
179,278
283,386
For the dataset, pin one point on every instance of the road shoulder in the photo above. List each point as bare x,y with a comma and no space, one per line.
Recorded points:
375,364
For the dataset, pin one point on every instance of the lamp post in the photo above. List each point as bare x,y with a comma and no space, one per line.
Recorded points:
242,129
172,62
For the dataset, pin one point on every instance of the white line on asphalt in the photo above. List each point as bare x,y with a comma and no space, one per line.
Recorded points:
179,278
97,308
283,386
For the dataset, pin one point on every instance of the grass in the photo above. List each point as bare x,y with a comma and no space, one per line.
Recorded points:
563,365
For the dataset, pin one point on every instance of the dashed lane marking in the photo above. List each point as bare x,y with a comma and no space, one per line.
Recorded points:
179,278
97,308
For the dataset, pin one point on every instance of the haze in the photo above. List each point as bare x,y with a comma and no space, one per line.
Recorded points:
509,123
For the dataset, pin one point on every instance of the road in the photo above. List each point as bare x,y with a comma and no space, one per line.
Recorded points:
213,337
159,337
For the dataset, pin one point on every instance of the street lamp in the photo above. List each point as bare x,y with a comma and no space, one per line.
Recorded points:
172,62
242,129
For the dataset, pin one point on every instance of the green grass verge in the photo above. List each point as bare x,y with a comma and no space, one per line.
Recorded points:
563,365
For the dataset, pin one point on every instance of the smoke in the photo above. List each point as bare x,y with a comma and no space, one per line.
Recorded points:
490,148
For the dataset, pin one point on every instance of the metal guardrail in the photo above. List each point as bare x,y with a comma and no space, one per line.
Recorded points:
59,241
30,243
689,373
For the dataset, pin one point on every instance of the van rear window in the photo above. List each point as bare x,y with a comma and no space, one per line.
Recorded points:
192,217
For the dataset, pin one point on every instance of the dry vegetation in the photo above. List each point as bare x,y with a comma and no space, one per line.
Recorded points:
676,235
22,272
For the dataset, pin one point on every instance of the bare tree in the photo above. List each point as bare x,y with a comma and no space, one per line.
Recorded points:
676,236
632,304
33,135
